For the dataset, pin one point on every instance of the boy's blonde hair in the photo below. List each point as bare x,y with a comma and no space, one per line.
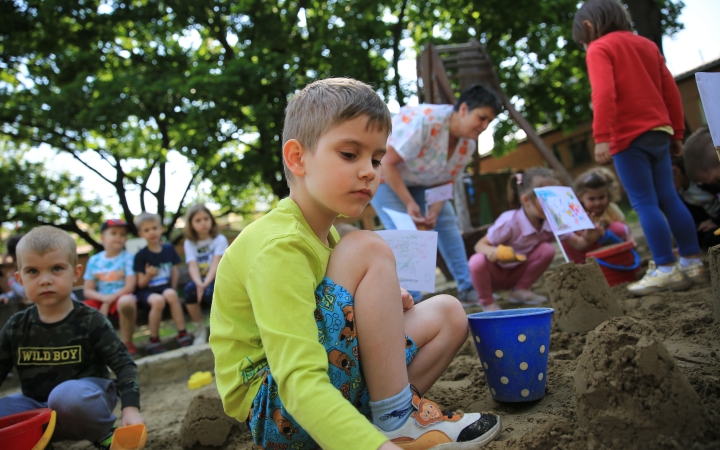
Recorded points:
325,104
699,154
46,239
598,178
147,217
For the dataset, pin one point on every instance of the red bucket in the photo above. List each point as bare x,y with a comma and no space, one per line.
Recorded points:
23,431
619,263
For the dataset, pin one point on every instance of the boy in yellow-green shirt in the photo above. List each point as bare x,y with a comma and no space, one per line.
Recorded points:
315,343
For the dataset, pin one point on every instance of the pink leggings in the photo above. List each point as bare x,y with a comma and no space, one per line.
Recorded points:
488,276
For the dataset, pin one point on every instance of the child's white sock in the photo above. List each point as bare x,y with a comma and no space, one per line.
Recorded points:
392,413
665,269
687,261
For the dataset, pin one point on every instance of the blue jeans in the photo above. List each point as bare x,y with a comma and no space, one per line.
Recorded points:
450,242
645,171
84,408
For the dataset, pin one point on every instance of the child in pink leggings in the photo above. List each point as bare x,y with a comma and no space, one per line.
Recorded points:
598,189
526,231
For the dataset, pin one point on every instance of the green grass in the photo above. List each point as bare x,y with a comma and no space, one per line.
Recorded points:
630,214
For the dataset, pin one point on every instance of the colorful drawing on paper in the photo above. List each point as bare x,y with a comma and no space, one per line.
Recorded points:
563,210
415,254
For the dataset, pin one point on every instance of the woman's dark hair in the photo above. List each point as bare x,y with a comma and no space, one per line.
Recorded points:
11,245
605,15
477,96
523,182
189,232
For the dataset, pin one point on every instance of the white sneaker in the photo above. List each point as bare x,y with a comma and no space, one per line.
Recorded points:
429,427
201,335
526,297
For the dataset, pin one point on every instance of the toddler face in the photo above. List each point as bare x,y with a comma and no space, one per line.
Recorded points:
710,176
151,230
114,239
47,278
343,173
595,201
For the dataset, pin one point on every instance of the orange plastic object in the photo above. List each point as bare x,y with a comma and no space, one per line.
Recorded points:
45,439
507,254
131,437
199,379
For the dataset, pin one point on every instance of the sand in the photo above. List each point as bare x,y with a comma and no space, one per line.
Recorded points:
682,323
581,296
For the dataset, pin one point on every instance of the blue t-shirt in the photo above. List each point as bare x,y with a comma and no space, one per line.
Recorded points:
164,261
109,273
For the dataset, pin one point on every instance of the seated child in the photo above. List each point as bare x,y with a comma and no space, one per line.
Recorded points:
204,246
110,280
62,349
700,197
314,344
598,190
157,277
16,293
526,232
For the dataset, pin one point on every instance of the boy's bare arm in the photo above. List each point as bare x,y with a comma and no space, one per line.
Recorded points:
143,279
129,288
90,292
174,277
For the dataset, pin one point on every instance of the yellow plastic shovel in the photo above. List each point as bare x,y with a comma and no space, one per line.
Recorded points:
131,437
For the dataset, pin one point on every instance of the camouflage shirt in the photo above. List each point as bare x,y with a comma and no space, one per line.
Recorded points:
81,345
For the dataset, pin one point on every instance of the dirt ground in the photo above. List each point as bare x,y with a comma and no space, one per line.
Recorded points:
683,321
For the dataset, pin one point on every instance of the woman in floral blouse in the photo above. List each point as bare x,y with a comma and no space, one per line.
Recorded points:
430,145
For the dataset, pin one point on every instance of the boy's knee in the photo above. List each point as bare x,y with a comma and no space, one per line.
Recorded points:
126,304
71,398
170,295
156,301
453,313
363,242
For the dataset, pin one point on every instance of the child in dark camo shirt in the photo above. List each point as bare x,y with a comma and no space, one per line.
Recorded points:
62,348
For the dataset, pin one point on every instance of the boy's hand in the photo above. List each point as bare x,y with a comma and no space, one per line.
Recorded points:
131,416
151,270
706,225
109,298
676,148
602,153
4,299
389,446
407,300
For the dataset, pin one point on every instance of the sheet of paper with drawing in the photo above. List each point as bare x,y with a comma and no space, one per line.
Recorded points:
415,254
563,211
439,194
402,220
709,87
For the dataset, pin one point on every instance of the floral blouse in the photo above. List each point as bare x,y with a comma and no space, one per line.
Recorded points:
420,135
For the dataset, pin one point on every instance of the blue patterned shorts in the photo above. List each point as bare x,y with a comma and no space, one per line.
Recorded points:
271,425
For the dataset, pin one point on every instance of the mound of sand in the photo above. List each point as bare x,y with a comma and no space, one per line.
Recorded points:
629,391
205,423
581,297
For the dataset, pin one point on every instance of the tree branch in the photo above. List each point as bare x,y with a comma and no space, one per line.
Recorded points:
179,210
397,36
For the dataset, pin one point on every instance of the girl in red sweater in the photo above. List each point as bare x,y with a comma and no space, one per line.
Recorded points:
638,123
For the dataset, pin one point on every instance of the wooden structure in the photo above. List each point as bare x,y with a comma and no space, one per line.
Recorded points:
470,64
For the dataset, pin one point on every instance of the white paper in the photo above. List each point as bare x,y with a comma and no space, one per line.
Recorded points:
401,220
439,194
709,87
415,257
563,210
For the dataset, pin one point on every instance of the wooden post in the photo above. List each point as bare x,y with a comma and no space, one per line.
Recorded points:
714,254
460,201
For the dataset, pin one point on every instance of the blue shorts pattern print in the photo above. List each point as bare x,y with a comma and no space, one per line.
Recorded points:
271,425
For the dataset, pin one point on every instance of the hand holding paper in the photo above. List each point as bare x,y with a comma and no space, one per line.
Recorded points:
563,211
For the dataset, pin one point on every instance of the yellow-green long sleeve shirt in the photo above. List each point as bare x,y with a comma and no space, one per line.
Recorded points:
263,315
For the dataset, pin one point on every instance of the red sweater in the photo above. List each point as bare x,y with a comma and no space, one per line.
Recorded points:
632,90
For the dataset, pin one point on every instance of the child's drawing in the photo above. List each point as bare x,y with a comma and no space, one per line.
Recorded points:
415,254
563,210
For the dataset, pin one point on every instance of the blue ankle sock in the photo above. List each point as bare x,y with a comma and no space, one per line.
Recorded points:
665,269
687,261
392,413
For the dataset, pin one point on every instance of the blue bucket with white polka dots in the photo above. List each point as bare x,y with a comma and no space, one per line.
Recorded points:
513,347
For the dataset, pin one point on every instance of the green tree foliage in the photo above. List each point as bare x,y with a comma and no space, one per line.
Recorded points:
530,43
134,81
32,196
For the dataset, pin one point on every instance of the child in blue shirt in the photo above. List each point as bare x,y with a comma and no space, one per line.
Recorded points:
156,268
110,280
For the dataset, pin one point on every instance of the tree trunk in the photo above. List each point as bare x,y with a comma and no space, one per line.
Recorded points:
647,18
